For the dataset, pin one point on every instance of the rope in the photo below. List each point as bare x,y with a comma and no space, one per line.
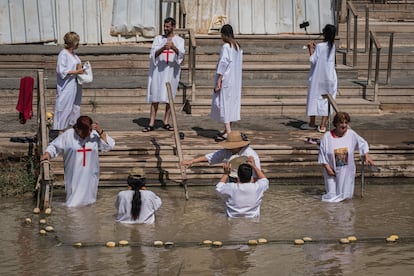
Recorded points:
186,244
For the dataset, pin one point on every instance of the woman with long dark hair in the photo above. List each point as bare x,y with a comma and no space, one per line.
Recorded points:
322,78
137,204
226,101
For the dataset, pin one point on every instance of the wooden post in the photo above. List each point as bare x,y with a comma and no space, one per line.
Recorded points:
177,140
45,188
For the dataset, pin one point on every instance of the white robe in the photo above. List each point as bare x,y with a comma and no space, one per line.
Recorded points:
150,203
243,200
161,71
338,152
322,80
224,155
81,164
225,104
68,91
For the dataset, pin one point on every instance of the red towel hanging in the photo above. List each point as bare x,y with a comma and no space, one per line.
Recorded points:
24,104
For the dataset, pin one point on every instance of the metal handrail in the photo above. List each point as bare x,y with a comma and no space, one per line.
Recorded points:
351,9
191,59
331,102
374,41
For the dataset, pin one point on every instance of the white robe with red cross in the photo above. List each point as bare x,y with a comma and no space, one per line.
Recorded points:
164,68
81,164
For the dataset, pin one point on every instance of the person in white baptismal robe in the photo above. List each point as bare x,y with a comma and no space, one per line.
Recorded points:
137,204
226,100
336,154
166,55
80,147
68,90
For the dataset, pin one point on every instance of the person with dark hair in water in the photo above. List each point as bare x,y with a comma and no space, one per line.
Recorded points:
243,199
322,79
80,147
137,204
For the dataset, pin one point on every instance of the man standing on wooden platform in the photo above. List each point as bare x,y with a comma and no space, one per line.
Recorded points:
167,54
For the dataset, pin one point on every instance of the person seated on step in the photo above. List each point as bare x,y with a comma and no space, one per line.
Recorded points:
243,198
137,204
237,144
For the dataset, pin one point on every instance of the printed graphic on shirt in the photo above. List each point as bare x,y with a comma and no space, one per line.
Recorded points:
341,157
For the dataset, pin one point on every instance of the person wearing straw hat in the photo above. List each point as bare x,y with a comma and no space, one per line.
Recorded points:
236,144
243,198
137,204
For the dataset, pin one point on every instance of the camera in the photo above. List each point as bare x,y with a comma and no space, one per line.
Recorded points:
304,24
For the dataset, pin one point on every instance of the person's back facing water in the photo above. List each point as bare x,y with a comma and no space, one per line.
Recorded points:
137,205
243,199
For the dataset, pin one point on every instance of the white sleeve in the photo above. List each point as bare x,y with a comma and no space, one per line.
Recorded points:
224,61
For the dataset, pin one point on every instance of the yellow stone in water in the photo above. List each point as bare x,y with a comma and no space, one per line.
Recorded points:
123,242
262,241
48,211
307,239
343,241
158,243
49,228
352,238
217,243
110,244
394,237
36,210
252,242
391,239
28,220
42,232
42,221
299,241
207,242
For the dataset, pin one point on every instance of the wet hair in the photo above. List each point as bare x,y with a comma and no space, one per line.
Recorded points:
136,183
228,36
71,40
84,125
170,20
245,173
329,32
341,117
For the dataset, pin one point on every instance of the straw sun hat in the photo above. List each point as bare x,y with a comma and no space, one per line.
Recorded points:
235,139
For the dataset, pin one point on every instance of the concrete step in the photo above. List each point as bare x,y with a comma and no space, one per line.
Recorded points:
283,155
286,107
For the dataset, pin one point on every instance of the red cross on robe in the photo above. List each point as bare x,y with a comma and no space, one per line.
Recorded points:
168,52
84,150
